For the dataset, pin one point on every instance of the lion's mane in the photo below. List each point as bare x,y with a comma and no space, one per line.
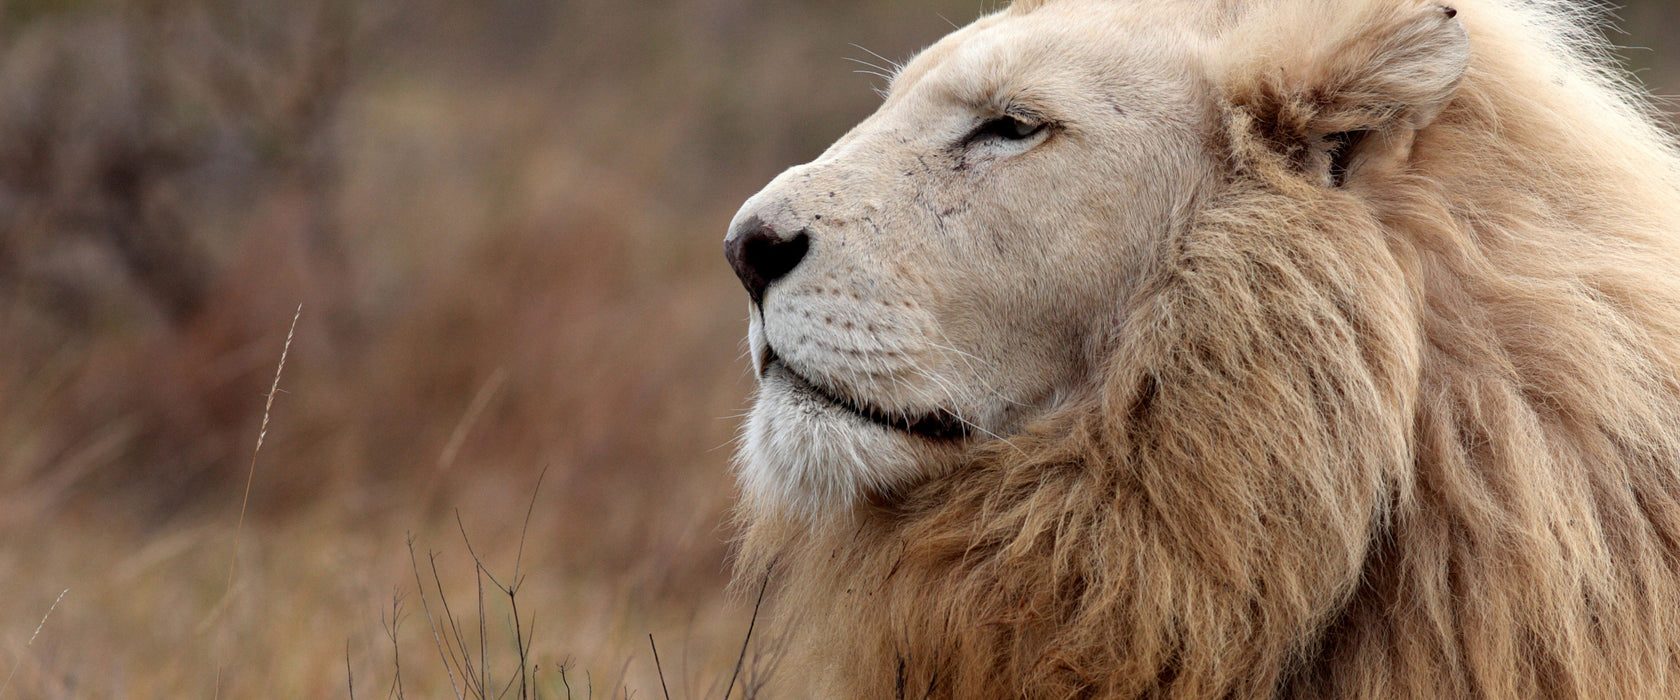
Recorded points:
1418,438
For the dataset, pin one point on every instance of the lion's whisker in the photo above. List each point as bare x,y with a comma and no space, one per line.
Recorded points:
954,411
895,64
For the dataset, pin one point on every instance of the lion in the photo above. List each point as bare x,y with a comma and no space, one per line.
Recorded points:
1224,349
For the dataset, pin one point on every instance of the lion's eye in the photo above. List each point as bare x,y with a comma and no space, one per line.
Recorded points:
1008,128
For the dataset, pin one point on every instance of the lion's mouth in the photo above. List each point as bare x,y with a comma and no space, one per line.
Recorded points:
939,424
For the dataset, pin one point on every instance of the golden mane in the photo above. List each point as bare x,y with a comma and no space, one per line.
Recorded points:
1415,438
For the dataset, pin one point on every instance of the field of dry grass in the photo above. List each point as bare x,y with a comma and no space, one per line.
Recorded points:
502,222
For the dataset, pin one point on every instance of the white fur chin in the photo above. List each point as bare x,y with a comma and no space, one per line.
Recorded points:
805,457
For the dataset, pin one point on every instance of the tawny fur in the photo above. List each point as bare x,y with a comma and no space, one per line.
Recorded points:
1418,437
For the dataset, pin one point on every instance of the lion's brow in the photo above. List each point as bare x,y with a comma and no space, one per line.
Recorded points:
1011,101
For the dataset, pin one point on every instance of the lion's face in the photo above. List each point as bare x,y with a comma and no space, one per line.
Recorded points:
955,265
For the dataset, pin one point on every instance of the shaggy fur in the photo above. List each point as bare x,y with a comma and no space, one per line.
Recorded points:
1417,436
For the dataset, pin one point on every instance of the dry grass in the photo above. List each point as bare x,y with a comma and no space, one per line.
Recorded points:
503,222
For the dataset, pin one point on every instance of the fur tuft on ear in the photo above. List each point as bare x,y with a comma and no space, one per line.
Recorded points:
1330,86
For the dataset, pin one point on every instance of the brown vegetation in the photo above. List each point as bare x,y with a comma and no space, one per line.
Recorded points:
502,221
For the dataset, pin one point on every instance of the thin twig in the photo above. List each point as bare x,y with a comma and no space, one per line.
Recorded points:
659,668
250,476
396,649
531,643
520,556
349,675
750,624
474,553
519,639
31,643
513,601
436,639
468,674
483,629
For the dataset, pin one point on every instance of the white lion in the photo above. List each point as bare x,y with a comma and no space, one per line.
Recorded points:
1226,348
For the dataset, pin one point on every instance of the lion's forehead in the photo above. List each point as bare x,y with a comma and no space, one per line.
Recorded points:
1201,14
1075,40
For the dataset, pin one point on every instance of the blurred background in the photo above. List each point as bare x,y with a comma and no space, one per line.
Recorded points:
503,223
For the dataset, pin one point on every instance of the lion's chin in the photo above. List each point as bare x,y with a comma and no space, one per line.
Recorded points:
938,424
807,453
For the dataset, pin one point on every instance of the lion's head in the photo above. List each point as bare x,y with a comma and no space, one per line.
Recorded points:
964,261
1170,347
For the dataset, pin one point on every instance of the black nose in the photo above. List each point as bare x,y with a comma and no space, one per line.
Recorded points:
761,255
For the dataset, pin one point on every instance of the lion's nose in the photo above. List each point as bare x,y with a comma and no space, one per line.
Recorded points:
761,255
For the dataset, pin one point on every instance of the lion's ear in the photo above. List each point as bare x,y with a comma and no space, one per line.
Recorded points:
1335,87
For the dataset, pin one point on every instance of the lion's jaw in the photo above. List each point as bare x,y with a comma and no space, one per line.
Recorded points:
958,278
